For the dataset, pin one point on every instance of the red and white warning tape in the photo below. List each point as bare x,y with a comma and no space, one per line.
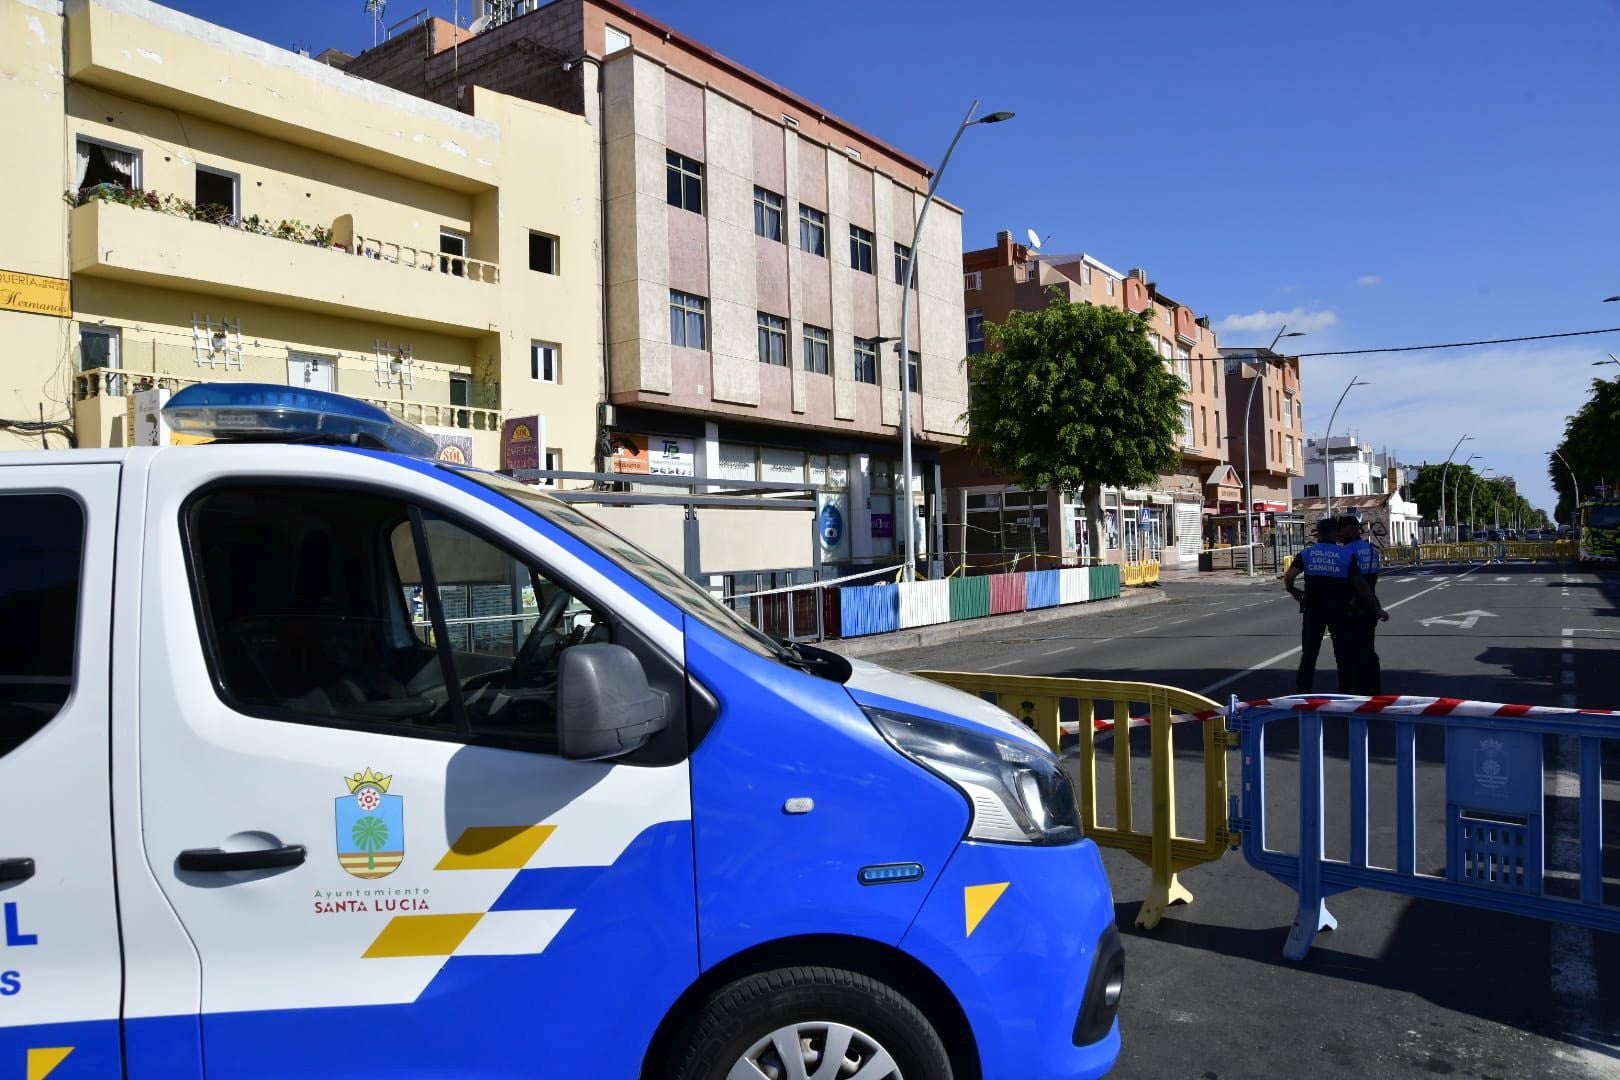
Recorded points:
1387,704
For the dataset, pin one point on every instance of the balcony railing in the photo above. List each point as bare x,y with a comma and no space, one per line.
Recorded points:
116,382
403,254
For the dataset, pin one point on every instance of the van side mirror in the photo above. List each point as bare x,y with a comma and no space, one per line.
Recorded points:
605,707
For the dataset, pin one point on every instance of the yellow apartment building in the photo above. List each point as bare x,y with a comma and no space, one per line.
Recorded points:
189,204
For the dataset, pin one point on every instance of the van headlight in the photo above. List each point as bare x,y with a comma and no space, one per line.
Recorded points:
1019,794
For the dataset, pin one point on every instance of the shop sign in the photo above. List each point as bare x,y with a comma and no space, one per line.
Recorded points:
882,526
653,455
455,446
35,294
520,443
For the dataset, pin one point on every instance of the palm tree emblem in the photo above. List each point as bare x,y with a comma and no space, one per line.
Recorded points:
369,835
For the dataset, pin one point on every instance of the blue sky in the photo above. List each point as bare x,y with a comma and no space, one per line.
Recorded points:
1378,174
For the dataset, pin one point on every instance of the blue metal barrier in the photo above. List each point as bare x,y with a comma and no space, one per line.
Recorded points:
1495,832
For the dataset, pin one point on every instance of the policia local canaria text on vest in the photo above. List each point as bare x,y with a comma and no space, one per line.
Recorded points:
1340,572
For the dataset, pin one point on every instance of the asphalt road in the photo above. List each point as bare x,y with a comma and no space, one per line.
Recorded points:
1402,987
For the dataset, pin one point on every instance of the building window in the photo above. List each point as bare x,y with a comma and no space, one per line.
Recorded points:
767,214
542,253
1375,484
860,249
1184,367
452,252
1085,273
1187,440
1110,284
812,231
98,348
1290,452
914,371
552,463
902,265
866,361
1313,491
545,362
817,349
773,340
216,195
1203,425
688,320
683,182
614,39
102,163
975,332
973,282
1347,489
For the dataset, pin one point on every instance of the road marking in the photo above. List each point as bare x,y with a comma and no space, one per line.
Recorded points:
1209,614
1262,665
1145,629
1178,622
1004,663
1463,619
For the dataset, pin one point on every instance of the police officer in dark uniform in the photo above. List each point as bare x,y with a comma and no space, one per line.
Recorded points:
1323,604
1369,676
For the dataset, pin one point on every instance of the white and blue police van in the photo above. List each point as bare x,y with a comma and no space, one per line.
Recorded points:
321,757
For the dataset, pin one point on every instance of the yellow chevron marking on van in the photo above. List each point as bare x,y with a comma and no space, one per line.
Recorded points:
979,899
44,1060
422,935
495,847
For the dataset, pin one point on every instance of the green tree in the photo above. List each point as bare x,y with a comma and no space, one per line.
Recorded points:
369,835
1591,445
1073,396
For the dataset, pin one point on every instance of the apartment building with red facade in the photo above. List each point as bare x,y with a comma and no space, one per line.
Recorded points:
988,520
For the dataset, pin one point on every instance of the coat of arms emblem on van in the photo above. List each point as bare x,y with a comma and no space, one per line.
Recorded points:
370,826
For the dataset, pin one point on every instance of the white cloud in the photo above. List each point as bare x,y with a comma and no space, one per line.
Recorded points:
1296,319
1366,281
1512,399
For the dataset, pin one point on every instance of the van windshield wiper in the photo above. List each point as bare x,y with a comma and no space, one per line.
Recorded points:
821,663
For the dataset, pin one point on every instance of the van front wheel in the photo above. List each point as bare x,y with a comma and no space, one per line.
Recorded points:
815,1022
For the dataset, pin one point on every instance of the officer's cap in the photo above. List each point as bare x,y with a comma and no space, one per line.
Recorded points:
1350,521
1327,525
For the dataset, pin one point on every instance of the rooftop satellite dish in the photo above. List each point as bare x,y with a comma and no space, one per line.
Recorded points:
479,24
1034,238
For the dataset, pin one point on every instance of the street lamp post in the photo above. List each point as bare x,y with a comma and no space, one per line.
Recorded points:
910,568
1575,511
1443,472
1456,498
1327,445
1248,437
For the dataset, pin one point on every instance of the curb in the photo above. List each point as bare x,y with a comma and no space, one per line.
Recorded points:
939,633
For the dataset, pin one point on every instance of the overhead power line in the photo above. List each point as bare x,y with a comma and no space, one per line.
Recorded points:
1461,344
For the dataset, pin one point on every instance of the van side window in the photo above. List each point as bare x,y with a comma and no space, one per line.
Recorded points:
506,625
42,537
302,604
325,606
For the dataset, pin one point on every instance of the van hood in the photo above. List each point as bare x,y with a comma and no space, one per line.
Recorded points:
881,687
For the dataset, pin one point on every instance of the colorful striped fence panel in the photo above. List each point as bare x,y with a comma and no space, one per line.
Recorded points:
924,603
970,597
1105,581
1043,589
869,609
1007,593
1076,585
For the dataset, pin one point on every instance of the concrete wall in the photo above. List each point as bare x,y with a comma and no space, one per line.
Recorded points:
37,371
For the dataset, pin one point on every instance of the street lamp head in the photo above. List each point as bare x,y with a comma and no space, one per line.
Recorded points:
995,117
1610,299
1292,333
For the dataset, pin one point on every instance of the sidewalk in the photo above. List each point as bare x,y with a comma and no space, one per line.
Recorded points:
922,636
1219,577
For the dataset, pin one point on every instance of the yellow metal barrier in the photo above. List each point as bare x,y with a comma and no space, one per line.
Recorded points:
1037,702
1139,573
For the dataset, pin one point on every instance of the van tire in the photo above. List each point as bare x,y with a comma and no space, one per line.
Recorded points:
740,1014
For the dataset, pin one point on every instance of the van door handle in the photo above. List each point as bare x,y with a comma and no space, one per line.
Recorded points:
213,860
16,869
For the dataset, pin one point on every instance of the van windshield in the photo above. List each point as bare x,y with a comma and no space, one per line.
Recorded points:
651,571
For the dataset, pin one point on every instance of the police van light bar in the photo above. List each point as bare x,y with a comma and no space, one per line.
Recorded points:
262,412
